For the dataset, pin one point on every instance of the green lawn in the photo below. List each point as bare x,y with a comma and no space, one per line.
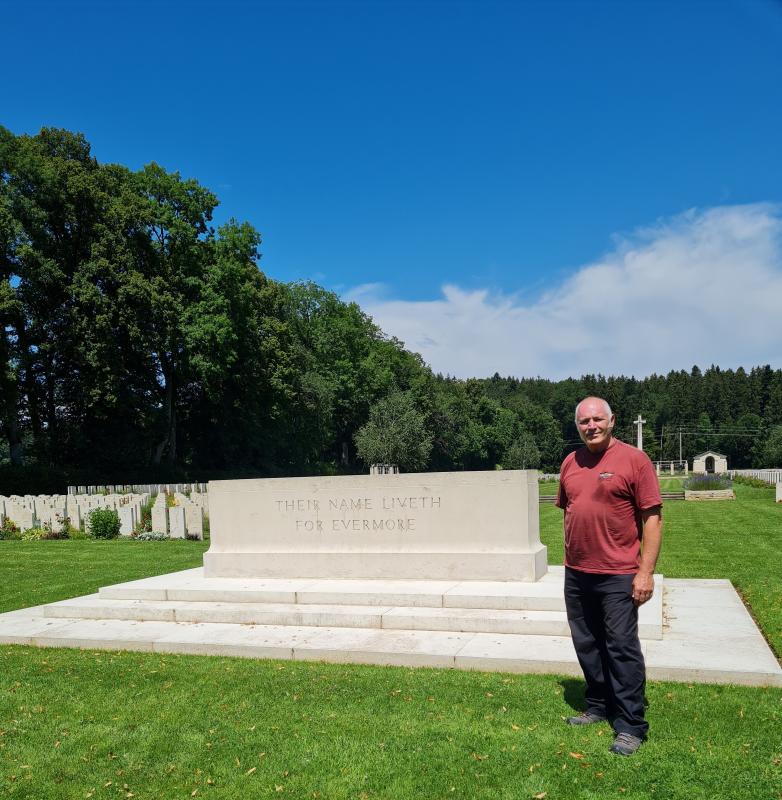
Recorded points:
32,573
118,725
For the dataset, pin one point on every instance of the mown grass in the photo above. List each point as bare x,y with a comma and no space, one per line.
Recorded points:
116,725
95,724
32,573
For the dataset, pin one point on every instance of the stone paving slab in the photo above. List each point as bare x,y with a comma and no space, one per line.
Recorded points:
708,636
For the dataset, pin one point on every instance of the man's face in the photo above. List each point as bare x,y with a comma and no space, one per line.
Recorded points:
594,425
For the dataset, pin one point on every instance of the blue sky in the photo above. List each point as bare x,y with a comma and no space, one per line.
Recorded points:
456,163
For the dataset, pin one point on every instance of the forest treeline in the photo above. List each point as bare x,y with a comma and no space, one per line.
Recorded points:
140,342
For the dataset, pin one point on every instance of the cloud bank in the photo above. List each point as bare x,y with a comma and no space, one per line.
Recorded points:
704,287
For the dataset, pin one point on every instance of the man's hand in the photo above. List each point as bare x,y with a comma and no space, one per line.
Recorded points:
643,587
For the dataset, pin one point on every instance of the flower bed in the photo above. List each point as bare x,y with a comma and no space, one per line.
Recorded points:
708,487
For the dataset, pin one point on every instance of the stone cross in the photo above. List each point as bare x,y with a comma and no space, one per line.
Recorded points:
639,423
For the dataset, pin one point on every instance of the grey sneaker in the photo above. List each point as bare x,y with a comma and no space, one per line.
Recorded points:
587,718
625,744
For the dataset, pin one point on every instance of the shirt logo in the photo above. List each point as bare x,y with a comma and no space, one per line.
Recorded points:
606,475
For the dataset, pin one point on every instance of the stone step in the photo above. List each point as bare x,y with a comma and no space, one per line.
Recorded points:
190,585
552,623
482,620
545,595
731,652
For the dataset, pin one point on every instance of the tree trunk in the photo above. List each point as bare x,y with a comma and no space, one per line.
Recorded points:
15,446
167,445
51,411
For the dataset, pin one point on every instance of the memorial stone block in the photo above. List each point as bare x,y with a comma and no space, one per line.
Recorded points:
456,525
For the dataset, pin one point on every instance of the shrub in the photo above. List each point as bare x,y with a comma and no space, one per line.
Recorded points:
10,530
35,534
104,523
78,533
144,525
48,533
707,483
745,480
151,536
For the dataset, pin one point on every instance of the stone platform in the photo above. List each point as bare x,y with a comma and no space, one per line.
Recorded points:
692,630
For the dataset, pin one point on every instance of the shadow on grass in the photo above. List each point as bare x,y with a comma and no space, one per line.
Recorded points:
573,693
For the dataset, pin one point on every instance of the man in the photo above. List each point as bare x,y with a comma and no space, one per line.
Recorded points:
611,498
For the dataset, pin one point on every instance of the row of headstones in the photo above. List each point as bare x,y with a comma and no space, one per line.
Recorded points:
185,519
139,488
32,511
768,475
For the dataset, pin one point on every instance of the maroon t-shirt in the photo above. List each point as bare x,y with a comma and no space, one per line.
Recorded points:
603,495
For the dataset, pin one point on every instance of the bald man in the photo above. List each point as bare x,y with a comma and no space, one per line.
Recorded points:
613,529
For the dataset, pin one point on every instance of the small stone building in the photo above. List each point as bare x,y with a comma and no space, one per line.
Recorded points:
710,462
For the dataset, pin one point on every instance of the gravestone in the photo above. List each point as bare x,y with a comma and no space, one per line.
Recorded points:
194,520
176,522
447,525
779,493
159,516
127,519
21,516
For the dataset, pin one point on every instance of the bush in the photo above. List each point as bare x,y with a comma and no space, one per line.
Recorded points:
144,525
707,483
48,533
745,480
104,523
9,530
151,536
35,534
78,533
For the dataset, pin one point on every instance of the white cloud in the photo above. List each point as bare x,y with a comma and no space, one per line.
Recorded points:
704,287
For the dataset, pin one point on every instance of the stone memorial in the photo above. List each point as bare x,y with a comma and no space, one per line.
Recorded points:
779,493
455,525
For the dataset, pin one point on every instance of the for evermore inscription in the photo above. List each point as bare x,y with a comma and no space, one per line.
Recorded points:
355,514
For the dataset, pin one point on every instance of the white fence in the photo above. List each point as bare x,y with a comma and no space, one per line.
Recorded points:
771,476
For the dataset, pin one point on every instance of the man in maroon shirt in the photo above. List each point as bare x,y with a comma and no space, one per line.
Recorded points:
611,498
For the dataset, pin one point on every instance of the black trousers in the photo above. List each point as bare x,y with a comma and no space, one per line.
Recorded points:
604,625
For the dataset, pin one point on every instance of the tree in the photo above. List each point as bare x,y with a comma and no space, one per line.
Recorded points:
522,454
772,453
396,433
176,216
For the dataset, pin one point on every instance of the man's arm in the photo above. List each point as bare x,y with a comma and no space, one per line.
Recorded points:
643,583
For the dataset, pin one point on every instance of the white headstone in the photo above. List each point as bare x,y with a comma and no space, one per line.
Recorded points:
159,518
176,522
127,520
194,520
